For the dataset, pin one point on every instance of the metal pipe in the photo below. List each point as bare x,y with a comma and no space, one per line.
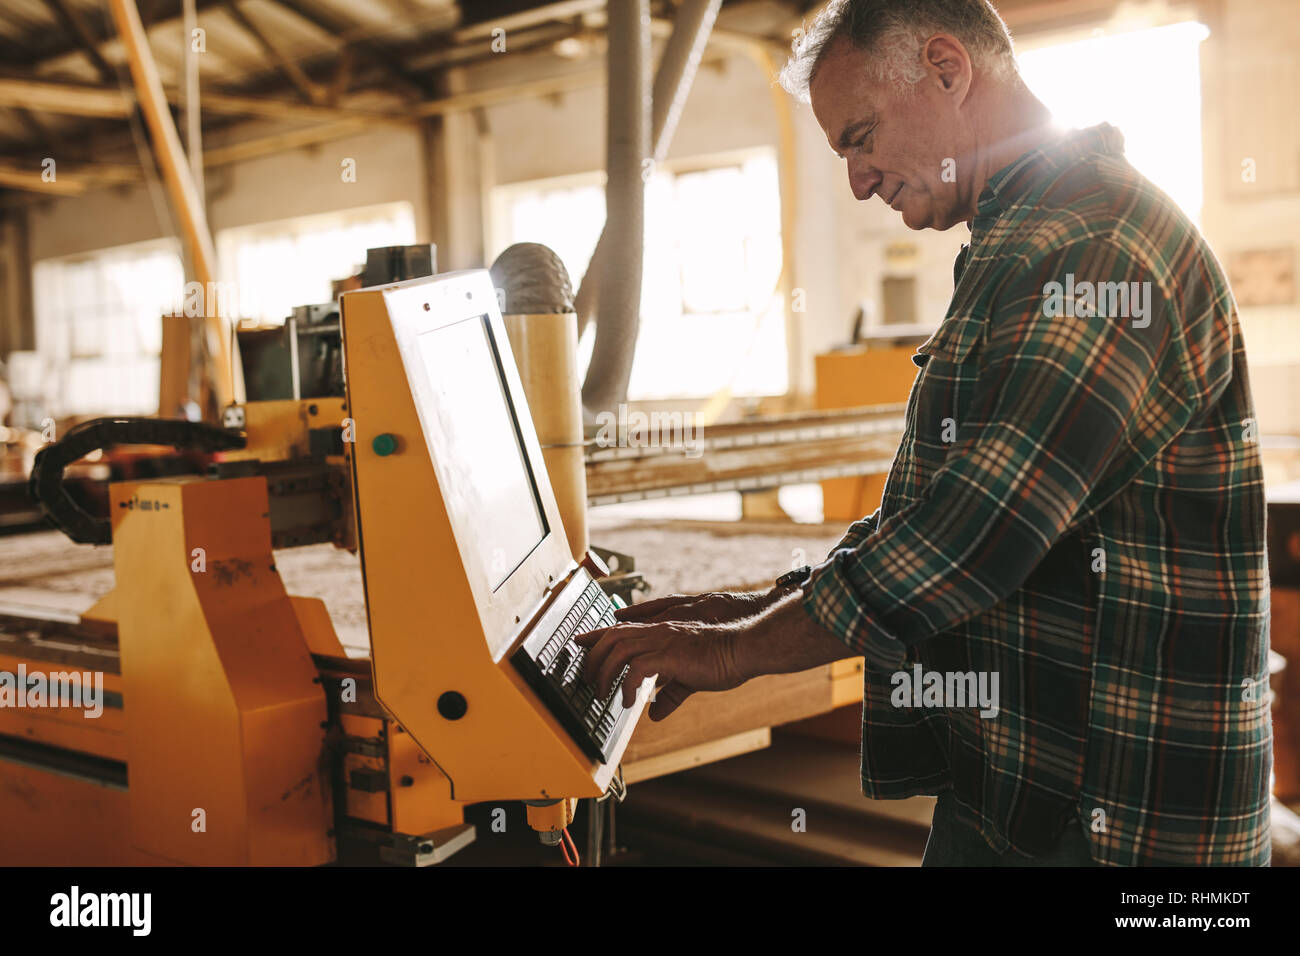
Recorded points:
190,108
672,86
627,146
677,67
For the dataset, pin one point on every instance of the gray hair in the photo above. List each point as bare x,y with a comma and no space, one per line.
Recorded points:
893,32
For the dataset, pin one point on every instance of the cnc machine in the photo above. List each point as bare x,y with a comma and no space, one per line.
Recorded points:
236,730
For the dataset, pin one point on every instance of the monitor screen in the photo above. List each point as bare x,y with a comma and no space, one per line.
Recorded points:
487,472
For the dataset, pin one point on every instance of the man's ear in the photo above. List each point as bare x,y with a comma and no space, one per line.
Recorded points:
948,64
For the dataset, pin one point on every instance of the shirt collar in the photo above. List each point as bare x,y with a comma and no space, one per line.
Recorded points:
1015,180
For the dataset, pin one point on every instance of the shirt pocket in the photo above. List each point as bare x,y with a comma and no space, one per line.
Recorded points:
949,362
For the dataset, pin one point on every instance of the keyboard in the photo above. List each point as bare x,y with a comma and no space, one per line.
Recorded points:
551,664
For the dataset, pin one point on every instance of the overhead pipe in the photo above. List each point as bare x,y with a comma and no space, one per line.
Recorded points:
606,384
672,85
627,146
688,36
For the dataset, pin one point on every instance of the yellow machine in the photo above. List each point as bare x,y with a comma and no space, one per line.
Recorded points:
236,730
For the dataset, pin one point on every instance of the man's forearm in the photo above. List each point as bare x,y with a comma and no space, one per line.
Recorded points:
784,639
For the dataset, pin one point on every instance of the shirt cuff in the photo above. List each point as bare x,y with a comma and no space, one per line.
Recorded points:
829,598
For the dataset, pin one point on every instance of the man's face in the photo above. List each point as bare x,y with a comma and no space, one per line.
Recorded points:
894,140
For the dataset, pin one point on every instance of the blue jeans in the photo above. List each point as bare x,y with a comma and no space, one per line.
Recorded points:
955,841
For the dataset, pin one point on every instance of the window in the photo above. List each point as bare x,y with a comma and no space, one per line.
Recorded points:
712,314
272,267
1145,82
99,328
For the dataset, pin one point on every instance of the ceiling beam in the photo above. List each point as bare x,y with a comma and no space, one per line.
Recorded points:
80,33
77,99
69,180
484,16
291,70
448,55
280,142
51,44
25,179
71,98
326,20
543,86
40,136
240,105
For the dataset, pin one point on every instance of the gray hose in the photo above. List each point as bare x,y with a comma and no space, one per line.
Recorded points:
530,279
627,145
672,87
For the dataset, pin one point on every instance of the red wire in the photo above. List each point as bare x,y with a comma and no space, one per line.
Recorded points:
566,844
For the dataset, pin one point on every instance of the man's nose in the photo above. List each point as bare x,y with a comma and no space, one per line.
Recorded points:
863,180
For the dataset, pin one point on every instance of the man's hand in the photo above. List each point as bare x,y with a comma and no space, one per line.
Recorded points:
690,656
713,607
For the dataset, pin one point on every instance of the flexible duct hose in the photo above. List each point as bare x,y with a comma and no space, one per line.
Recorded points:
627,145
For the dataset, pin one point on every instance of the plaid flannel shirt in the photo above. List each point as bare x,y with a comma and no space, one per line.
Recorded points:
1076,506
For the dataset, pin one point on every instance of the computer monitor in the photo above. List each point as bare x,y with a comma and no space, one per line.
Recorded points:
463,552
466,403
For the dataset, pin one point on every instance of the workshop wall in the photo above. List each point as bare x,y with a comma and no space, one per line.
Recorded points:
298,183
1250,79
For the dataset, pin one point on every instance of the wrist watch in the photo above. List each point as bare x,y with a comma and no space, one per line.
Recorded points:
797,577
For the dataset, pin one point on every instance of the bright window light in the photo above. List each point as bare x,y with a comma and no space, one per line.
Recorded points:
1145,82
711,311
99,326
272,267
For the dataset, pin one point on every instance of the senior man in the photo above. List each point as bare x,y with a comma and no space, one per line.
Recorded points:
1076,510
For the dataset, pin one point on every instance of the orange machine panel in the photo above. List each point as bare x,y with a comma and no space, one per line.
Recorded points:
850,378
223,715
441,630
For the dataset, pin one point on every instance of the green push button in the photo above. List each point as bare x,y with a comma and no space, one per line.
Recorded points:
384,444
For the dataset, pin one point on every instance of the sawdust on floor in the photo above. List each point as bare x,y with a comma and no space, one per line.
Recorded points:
47,572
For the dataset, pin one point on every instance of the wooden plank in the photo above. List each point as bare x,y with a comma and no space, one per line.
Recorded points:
763,702
846,681
737,468
174,366
657,456
691,757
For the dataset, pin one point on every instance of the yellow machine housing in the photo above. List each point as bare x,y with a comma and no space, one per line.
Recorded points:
440,631
236,728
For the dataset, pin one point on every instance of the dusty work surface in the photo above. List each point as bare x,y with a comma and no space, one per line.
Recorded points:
46,571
